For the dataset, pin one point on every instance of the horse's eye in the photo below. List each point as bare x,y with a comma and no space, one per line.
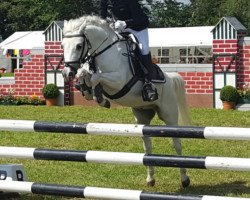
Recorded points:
79,47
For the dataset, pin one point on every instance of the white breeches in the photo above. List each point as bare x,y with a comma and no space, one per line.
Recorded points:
142,37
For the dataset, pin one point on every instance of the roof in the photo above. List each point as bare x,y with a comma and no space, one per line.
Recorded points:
235,23
60,24
24,40
181,36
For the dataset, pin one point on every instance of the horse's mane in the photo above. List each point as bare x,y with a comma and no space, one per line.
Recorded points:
78,25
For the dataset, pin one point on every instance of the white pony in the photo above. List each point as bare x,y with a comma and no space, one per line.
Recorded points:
91,38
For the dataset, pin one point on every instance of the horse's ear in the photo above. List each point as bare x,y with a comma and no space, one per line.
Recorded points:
82,27
65,22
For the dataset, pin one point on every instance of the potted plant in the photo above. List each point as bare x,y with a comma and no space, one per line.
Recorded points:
50,93
229,96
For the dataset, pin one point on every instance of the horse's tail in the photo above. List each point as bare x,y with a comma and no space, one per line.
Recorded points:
179,85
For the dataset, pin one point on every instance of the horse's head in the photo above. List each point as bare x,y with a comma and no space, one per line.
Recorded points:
81,39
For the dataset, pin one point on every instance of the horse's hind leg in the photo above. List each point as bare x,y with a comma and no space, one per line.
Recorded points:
143,116
185,181
172,119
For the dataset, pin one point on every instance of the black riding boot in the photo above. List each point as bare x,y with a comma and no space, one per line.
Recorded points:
149,92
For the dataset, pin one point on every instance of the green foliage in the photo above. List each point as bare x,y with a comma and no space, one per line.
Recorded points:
239,9
169,13
50,91
229,93
244,93
205,12
9,99
33,100
7,75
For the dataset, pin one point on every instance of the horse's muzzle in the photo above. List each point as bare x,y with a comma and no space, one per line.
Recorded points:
69,74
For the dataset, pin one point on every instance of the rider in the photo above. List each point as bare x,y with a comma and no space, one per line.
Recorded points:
130,17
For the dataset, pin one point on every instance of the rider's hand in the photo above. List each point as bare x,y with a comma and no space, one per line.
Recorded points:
120,25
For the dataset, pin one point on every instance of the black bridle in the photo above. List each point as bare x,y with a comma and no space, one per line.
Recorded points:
87,57
84,57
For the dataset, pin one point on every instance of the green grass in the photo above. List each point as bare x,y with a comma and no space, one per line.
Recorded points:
209,182
7,74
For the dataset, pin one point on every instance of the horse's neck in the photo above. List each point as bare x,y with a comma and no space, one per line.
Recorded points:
100,40
112,62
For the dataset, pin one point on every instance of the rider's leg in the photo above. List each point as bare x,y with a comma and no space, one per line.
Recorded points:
149,91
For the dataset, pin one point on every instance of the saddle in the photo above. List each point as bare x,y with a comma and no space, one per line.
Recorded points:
135,60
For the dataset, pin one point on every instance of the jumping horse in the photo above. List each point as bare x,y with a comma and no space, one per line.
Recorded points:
89,40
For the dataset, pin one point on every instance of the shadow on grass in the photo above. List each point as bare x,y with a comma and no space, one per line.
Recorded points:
236,188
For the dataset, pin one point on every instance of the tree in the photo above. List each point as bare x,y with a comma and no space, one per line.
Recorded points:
4,30
239,9
205,12
26,15
169,13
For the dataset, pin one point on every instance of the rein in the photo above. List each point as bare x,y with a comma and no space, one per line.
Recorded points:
91,59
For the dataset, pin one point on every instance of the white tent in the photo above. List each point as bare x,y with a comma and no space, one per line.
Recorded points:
181,36
24,40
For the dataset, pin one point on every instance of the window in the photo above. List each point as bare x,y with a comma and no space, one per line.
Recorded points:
182,55
163,55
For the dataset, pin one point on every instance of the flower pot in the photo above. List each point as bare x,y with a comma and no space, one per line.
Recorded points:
228,105
51,102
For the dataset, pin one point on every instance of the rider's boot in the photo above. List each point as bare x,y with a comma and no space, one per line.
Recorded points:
149,92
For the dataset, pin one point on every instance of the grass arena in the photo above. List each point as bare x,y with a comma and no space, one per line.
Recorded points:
129,177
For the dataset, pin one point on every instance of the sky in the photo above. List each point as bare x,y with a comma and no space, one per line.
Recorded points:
184,1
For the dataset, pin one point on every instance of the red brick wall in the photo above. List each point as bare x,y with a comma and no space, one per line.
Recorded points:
4,89
243,72
29,80
225,47
53,48
198,82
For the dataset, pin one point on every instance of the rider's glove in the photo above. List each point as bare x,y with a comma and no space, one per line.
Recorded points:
120,25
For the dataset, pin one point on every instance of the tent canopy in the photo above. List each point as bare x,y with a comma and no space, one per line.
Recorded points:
181,37
24,40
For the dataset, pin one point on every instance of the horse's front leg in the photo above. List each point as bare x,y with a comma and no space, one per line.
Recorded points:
83,83
85,86
98,91
107,79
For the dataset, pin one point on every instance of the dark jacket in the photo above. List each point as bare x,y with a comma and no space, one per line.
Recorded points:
129,11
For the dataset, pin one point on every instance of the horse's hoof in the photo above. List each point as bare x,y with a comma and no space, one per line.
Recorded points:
186,183
107,104
151,183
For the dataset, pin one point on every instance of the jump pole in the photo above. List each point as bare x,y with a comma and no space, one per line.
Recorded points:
98,193
222,163
229,133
